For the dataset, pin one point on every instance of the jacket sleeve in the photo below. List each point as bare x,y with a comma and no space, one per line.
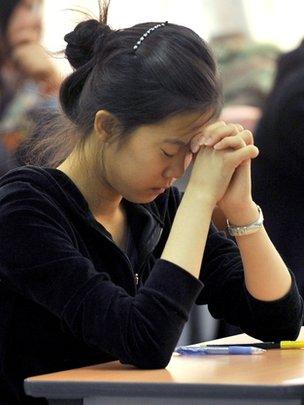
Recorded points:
39,261
226,294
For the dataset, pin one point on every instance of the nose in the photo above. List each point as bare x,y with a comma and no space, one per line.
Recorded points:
35,17
37,23
177,168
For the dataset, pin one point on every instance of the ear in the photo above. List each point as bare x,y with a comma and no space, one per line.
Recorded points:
104,125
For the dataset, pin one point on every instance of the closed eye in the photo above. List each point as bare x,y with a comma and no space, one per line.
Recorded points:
167,154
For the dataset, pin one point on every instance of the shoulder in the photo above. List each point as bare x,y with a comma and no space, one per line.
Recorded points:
24,180
31,217
27,190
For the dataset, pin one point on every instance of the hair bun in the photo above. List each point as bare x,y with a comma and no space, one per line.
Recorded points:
82,41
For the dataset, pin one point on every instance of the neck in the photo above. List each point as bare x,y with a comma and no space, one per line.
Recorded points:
103,200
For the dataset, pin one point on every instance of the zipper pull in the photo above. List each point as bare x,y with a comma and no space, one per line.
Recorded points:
136,278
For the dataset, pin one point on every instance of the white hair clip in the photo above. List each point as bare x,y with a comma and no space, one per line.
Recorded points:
138,43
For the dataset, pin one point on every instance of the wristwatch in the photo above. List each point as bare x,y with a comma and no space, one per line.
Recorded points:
234,230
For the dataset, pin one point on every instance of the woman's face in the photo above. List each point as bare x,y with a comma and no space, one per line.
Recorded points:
25,23
152,157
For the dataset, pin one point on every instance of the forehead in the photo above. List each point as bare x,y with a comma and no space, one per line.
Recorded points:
182,127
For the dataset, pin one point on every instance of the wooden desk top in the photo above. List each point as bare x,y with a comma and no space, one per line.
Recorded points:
271,373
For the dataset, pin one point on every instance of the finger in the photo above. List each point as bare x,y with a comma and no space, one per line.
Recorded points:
213,134
233,142
214,126
239,127
240,155
245,136
213,137
197,140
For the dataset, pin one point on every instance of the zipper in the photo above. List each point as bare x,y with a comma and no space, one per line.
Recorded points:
134,275
150,251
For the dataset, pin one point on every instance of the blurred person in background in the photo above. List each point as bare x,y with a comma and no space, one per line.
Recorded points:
246,65
247,68
278,173
28,77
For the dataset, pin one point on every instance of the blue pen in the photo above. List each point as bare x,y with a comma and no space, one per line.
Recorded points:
202,350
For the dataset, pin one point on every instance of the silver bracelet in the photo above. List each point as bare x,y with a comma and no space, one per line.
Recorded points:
234,230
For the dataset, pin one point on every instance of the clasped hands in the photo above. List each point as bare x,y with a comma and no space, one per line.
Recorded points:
33,61
223,154
221,136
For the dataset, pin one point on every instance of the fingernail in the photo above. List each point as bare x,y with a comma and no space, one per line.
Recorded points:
195,148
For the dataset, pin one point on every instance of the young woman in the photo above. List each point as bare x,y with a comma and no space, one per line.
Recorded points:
100,258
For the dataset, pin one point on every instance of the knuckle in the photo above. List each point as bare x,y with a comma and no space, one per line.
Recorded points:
239,140
213,127
219,129
242,141
207,131
196,139
248,134
220,122
224,142
239,127
233,128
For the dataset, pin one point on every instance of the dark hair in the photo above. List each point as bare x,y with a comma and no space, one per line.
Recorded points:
172,71
7,8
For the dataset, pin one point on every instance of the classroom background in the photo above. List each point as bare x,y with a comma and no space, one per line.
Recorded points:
247,36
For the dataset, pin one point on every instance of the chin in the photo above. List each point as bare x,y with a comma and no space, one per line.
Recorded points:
138,200
144,198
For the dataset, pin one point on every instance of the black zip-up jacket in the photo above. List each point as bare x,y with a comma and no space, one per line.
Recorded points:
69,296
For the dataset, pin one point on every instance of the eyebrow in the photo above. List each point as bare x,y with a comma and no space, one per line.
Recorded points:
175,141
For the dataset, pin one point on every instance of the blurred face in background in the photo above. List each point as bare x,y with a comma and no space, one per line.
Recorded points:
25,23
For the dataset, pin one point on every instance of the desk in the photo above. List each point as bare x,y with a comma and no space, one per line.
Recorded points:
275,377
